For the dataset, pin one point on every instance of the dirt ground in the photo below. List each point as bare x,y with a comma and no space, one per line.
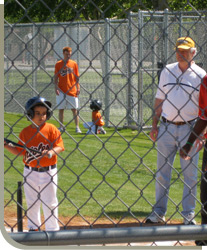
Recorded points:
77,222
10,223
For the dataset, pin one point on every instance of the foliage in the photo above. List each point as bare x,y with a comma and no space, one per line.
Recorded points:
188,4
29,11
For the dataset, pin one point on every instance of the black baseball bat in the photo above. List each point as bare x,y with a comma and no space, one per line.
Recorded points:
14,144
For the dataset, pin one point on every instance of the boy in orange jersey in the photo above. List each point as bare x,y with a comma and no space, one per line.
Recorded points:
67,87
40,170
96,126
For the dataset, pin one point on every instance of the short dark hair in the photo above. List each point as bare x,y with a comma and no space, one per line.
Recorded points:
68,49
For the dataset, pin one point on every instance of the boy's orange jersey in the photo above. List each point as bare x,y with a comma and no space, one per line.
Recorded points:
42,138
68,77
97,118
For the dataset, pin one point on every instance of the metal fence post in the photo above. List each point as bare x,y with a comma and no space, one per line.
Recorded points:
34,59
140,56
78,42
107,77
180,24
19,207
165,32
129,74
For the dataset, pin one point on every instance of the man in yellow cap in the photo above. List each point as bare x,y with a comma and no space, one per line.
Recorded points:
185,43
176,108
185,51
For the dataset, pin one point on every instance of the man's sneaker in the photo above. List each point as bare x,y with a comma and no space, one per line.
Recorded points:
201,242
188,220
33,230
61,129
78,130
155,219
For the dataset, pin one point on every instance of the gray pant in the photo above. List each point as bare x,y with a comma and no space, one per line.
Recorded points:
170,138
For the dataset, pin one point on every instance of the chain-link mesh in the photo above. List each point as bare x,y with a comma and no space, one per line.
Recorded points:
102,179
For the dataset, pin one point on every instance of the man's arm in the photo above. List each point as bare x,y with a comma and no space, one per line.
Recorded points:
57,91
77,85
156,117
197,130
76,73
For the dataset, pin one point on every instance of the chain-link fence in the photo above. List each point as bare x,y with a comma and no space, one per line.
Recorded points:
118,60
103,179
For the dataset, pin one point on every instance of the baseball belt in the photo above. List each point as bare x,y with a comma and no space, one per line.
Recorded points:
41,169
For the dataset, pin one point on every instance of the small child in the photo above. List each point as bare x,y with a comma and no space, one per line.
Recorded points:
40,171
96,126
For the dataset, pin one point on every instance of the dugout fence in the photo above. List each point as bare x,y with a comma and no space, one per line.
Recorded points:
104,181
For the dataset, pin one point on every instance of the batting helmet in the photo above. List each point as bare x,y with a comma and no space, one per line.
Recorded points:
95,105
34,101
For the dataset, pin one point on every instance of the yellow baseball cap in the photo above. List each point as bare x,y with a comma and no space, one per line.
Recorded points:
185,43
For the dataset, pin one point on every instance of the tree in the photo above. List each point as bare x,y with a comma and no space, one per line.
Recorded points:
29,11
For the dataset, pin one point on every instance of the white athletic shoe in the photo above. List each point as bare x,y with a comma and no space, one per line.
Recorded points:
78,130
189,220
153,218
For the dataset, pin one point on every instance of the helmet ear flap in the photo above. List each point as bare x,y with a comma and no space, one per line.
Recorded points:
49,114
30,113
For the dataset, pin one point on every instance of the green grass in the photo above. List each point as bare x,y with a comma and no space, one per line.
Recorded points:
91,82
110,174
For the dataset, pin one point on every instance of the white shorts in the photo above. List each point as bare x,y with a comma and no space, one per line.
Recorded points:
66,101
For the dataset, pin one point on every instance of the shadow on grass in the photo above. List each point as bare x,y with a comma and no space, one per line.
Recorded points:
124,215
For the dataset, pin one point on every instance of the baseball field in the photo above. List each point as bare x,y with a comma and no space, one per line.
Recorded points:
108,176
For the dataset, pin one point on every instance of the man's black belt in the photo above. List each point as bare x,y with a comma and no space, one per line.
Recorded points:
41,169
176,123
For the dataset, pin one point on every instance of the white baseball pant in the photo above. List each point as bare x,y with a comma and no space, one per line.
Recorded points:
41,188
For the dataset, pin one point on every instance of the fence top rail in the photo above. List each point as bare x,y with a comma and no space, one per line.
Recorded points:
166,11
112,235
72,23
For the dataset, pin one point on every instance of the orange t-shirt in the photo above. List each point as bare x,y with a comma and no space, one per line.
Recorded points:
97,118
45,137
68,77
